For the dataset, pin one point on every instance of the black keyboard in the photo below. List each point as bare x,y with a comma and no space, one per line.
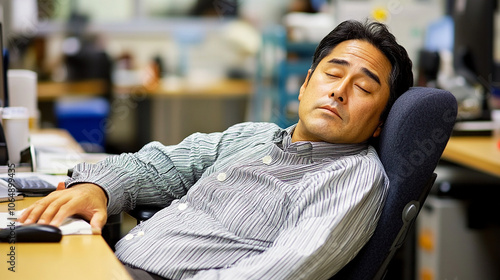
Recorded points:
31,186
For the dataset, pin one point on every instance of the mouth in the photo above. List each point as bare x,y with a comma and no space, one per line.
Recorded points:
331,109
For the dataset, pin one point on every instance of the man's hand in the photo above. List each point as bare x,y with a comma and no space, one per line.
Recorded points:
86,200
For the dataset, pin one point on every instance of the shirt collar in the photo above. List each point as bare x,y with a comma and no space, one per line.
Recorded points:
316,151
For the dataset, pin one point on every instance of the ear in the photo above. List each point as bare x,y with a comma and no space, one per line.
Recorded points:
377,131
304,85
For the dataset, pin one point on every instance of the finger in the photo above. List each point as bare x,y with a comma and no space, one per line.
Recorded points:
98,221
33,212
56,214
26,212
61,186
51,209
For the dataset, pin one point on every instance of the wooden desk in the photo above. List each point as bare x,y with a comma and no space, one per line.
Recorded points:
177,108
178,88
75,257
48,91
54,137
480,153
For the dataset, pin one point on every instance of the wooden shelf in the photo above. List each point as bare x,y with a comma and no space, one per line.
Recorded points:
183,89
52,90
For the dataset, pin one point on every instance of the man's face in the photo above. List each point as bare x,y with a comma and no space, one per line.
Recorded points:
357,74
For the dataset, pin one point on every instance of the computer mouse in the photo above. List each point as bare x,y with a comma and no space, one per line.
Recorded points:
31,233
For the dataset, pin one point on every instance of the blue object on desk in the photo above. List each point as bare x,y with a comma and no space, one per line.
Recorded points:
85,120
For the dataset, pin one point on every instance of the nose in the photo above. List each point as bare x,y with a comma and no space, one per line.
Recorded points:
340,98
340,92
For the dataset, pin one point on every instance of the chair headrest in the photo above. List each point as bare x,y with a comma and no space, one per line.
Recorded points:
415,134
410,145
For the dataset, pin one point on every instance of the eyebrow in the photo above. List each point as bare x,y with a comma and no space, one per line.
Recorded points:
367,72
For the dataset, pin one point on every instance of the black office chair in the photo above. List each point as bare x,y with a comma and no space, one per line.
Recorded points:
410,146
143,213
411,143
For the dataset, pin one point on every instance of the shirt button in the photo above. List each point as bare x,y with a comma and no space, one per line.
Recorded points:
267,160
140,233
129,236
221,177
182,206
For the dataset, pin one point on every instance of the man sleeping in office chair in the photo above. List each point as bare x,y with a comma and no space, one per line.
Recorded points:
257,201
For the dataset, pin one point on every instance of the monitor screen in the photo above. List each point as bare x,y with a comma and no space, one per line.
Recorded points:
3,76
473,40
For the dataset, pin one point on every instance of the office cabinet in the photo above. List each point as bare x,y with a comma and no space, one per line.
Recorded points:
448,248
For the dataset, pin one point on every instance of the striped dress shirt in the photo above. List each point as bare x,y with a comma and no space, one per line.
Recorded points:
246,203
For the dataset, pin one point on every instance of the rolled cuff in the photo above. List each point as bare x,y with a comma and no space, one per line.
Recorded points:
107,178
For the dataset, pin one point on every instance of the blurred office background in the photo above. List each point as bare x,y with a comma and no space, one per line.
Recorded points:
233,60
120,73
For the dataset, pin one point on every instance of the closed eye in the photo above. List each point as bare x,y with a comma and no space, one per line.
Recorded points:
332,75
366,91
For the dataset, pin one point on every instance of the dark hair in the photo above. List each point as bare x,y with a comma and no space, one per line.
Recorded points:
377,34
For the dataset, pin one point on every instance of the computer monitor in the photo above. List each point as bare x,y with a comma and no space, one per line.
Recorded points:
473,43
3,76
4,156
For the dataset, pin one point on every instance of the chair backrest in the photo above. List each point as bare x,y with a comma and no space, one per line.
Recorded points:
411,143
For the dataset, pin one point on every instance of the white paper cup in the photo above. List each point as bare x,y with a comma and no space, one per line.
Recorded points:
15,121
23,92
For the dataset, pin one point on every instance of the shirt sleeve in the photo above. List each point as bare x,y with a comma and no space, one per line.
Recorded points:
157,174
329,232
